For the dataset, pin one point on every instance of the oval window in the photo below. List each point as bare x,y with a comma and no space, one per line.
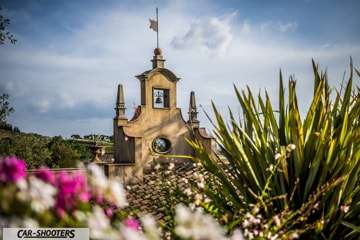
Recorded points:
161,145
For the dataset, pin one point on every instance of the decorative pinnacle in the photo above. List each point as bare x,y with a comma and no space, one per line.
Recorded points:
157,51
120,103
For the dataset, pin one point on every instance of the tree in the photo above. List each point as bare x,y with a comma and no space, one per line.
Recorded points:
62,154
5,109
4,22
75,136
30,147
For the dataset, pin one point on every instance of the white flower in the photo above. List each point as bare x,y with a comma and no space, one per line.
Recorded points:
81,216
196,225
200,185
198,198
237,235
25,222
115,193
270,168
157,167
42,195
23,194
185,180
171,166
97,176
183,214
150,228
344,208
246,223
131,234
256,209
197,164
15,222
188,191
291,146
294,235
98,223
113,190
276,220
22,184
274,237
148,222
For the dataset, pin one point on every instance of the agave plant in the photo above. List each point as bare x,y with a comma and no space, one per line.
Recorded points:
300,176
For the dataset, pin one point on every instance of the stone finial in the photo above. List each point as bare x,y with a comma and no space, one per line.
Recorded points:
158,60
157,51
120,103
192,109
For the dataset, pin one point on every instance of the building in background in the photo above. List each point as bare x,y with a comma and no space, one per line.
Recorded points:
157,131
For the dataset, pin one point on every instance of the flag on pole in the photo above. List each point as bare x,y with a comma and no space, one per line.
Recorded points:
153,25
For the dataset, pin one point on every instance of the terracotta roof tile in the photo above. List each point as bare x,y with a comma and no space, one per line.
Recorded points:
147,197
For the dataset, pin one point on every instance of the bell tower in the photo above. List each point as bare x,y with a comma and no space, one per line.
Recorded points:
157,129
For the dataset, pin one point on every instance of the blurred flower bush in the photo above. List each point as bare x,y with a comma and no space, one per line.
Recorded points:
62,199
85,199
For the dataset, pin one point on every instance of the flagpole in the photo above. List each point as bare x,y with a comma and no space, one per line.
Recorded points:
157,32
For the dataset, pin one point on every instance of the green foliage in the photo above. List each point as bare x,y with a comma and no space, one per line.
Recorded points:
31,147
41,151
44,151
5,109
62,154
301,175
4,22
80,149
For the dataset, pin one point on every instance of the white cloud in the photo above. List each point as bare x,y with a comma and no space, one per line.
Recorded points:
41,105
210,34
246,27
15,89
274,27
284,27
325,46
66,100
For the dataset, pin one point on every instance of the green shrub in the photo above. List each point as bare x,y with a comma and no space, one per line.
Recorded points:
282,175
32,147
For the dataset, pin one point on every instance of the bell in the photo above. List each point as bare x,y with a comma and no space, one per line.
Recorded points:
158,100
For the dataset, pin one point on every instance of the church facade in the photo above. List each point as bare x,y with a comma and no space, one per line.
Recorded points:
157,131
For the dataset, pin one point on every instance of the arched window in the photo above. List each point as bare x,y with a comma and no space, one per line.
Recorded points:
161,98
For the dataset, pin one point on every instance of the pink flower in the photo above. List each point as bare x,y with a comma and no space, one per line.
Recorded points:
12,169
97,196
45,174
109,212
82,188
293,235
132,223
72,189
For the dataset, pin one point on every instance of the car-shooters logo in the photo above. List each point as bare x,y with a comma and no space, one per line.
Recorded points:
46,233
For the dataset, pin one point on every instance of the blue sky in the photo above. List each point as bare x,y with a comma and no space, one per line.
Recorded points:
62,74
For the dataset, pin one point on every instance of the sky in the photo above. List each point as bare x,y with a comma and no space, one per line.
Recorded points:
63,72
